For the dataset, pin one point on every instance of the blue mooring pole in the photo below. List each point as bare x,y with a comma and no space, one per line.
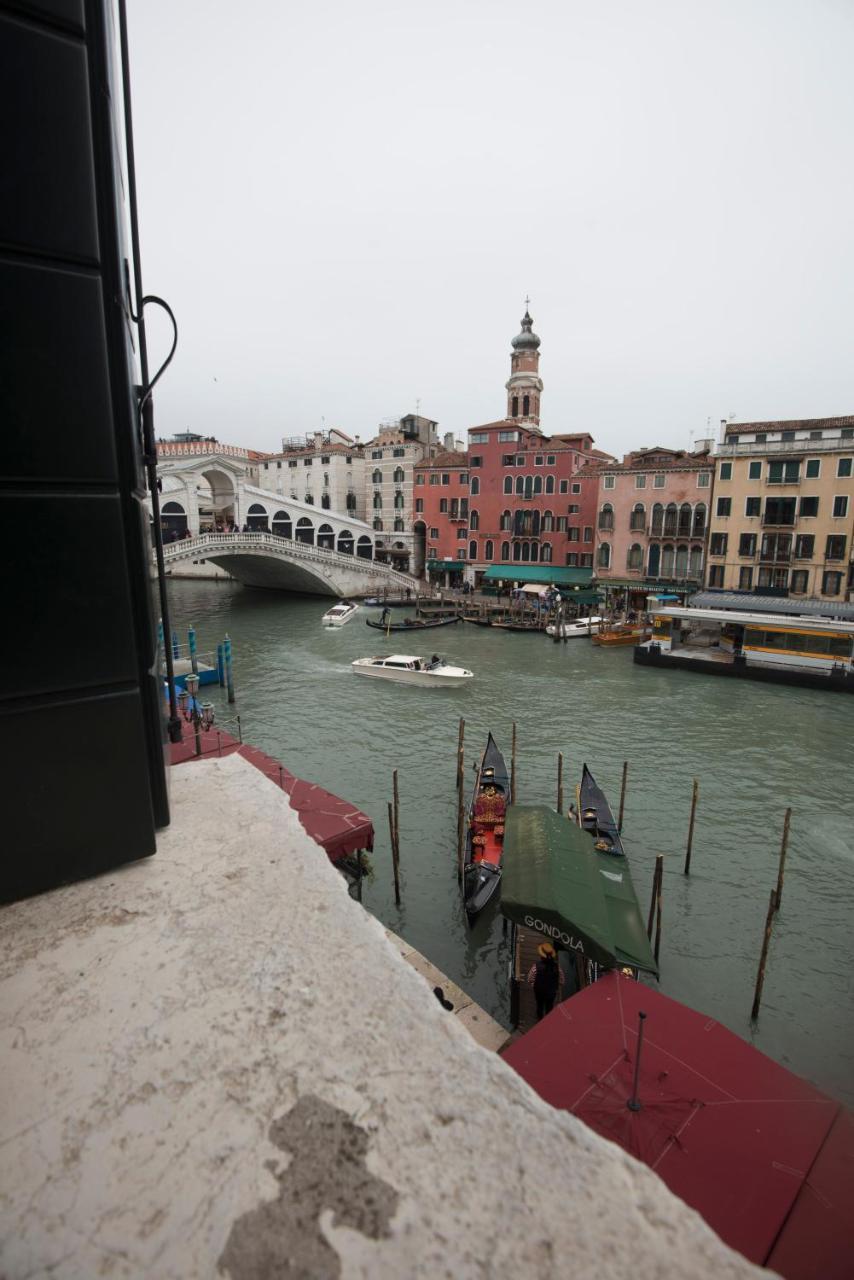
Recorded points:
220,665
161,639
191,644
176,648
229,674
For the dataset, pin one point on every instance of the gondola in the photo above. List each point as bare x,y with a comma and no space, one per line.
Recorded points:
485,831
410,624
596,816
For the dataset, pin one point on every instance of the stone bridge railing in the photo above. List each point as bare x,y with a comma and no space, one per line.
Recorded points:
261,543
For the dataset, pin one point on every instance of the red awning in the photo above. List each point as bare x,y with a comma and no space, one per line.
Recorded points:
336,825
764,1157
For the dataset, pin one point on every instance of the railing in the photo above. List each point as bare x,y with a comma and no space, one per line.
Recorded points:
673,531
229,543
767,447
778,557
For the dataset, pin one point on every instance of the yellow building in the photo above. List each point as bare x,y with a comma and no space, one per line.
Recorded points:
783,508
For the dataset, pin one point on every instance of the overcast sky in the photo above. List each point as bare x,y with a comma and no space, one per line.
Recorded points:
346,204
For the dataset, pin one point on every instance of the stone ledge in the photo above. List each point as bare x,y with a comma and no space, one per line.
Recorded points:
216,1063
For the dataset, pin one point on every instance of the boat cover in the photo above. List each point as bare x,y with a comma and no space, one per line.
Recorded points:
766,1158
555,883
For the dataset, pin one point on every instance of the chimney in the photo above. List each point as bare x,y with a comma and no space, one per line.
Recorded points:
449,441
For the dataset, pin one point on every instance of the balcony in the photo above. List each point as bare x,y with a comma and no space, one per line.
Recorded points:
780,520
674,531
778,557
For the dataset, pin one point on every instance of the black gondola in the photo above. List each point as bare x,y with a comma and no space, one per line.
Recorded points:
485,833
596,815
410,624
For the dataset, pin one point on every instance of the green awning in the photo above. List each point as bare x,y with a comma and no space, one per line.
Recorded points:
554,882
557,574
580,597
650,588
446,564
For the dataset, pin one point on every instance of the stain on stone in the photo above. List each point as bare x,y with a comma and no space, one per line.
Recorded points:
282,1237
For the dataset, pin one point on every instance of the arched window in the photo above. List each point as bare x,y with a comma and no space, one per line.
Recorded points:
548,522
604,558
520,485
309,499
377,477
634,559
508,484
517,550
526,406
326,479
526,551
696,563
505,551
535,550
505,521
474,486
345,542
637,520
378,501
325,537
325,501
529,486
398,525
654,560
398,475
667,561
685,520
699,528
474,520
305,530
173,519
472,550
256,517
378,525
682,560
282,524
365,548
550,484
538,485
514,407
670,518
606,517
398,501
534,523
657,519
546,552
489,550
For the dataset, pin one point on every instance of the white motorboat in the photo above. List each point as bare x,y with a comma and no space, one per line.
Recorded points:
407,668
577,628
340,613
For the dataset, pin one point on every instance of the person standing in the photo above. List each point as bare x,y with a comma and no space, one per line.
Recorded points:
546,977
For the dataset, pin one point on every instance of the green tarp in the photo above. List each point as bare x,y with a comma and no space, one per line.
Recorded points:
560,575
554,882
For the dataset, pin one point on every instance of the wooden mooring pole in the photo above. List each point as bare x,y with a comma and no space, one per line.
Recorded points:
461,832
766,939
694,792
394,862
657,948
656,883
513,766
623,795
396,803
778,894
460,746
560,782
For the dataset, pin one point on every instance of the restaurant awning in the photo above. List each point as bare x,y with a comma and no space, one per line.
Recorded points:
555,574
554,882
649,588
446,564
763,1156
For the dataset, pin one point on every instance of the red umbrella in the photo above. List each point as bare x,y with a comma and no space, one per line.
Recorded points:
764,1157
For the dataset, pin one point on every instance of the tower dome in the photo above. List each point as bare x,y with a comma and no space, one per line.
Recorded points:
527,340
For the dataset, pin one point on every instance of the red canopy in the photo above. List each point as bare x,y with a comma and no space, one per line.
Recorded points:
764,1157
338,826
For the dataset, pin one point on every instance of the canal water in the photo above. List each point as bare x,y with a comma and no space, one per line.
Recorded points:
755,749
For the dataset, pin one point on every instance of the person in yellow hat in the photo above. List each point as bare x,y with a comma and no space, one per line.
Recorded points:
546,977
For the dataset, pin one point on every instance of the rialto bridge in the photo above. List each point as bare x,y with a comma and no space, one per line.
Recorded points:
212,510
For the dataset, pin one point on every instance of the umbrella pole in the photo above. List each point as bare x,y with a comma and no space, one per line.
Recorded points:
634,1102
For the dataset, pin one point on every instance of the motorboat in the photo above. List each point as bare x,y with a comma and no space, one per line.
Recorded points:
340,613
577,628
404,668
485,834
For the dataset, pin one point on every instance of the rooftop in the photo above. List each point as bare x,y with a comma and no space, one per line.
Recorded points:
791,424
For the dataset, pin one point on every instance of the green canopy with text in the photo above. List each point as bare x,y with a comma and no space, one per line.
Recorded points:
554,882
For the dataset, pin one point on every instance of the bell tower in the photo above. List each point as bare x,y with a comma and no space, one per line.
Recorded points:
525,386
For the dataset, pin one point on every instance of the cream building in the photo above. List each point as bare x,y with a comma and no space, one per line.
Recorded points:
783,508
390,460
325,469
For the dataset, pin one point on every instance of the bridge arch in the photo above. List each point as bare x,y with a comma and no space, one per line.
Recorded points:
325,537
173,520
282,524
256,518
305,530
345,542
365,548
222,502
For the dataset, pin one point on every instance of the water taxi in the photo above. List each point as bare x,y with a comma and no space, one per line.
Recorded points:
575,629
404,668
790,649
340,613
620,633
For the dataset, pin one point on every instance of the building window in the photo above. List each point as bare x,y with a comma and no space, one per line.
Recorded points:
606,517
419,479
398,526
538,460
526,406
464,478
804,544
840,506
434,533
520,459
761,437
506,437
378,501
800,578
587,560
784,472
434,479
560,524
746,544
716,575
508,459
834,548
576,488
462,534
573,534
443,506
808,507
726,471
607,482
572,559
488,551
472,550
745,579
377,477
398,453
724,506
637,519
752,506
461,554
398,475
505,551
514,407
787,435
508,484
419,506
573,508
474,520
306,462
475,487
309,499
376,453
634,560
588,533
564,486
550,484
475,460
754,470
658,480
779,511
293,464
446,478
704,479
325,501
378,525
640,482
506,520
843,467
813,468
717,546
604,555
831,584
478,437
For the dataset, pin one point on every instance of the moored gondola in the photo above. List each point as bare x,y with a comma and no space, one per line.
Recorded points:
596,816
485,832
410,624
